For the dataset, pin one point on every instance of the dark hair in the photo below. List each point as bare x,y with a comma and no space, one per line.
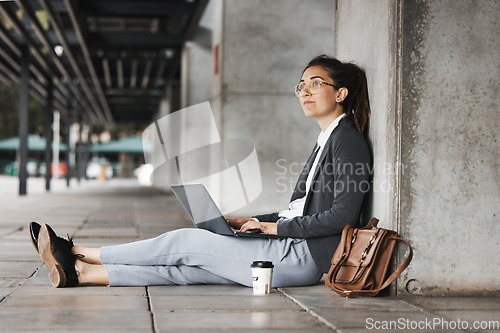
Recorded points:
349,75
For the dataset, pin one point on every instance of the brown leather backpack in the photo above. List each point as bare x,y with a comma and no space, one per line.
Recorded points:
360,263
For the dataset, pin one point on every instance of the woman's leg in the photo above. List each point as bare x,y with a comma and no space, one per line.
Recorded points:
133,276
93,274
90,255
170,257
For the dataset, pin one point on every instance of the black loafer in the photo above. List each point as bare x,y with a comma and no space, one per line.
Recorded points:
34,231
56,255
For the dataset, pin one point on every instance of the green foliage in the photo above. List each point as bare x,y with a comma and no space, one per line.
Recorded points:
9,113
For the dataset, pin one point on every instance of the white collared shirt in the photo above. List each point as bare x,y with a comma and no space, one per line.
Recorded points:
296,207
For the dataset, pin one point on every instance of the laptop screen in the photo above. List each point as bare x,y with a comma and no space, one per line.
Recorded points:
197,202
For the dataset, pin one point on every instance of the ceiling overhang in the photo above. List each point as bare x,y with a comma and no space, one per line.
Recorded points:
110,60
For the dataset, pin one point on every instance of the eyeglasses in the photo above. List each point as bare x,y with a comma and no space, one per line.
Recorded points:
313,87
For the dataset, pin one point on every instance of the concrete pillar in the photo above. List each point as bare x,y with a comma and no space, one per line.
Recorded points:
196,68
79,165
173,96
48,132
260,49
433,75
69,122
23,121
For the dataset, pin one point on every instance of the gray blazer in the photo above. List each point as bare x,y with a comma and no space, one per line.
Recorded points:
340,182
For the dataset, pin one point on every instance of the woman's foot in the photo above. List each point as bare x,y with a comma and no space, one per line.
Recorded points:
56,255
34,229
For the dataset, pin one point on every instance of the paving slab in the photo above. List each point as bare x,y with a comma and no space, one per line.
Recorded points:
202,290
17,269
269,303
69,320
72,330
12,283
257,330
40,276
100,242
6,291
170,220
6,230
144,234
77,303
456,303
337,302
320,296
106,221
114,232
45,290
362,319
287,321
17,250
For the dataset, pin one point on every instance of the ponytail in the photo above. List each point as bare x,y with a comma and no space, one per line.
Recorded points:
356,104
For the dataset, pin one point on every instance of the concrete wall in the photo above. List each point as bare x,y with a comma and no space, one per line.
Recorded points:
450,119
433,74
263,47
366,35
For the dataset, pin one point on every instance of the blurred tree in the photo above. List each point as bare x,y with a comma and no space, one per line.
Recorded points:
9,118
116,131
9,113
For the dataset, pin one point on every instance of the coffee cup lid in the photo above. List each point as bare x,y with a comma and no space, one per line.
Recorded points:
262,264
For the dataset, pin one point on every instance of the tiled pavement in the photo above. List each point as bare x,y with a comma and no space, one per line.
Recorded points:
119,211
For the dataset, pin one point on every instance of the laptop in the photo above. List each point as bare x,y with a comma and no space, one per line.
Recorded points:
205,214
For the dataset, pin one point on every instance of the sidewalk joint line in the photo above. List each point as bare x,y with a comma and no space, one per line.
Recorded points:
150,309
19,285
307,309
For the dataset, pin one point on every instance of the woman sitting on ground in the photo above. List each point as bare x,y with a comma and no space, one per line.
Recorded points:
328,195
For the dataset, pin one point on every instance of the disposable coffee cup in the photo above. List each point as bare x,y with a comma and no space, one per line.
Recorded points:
262,276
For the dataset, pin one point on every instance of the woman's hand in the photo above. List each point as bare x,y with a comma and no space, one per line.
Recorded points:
250,224
238,223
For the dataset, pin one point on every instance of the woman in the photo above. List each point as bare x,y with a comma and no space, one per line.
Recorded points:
323,202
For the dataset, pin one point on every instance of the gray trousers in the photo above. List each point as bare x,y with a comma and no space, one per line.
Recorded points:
196,256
